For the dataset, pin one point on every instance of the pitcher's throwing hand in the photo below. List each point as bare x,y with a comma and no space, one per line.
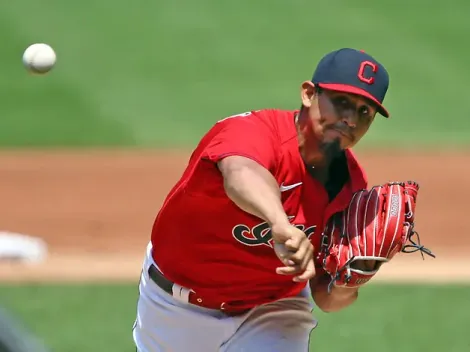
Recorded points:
295,251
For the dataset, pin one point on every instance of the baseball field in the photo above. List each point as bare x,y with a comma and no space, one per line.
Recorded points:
88,152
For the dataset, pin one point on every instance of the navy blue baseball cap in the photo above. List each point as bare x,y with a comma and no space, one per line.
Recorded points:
353,71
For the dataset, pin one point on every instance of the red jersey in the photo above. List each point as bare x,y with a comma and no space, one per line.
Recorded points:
203,241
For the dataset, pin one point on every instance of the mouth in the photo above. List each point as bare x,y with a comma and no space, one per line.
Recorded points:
343,133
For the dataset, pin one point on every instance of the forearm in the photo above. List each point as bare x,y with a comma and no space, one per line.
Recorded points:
253,189
338,299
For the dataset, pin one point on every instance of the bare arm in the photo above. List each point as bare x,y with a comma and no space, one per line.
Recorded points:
338,299
253,188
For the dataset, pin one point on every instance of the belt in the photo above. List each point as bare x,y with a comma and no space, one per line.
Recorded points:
166,285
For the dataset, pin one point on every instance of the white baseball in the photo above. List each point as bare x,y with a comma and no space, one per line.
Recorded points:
39,58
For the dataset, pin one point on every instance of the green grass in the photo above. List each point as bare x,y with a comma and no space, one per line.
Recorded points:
158,73
392,318
76,318
386,318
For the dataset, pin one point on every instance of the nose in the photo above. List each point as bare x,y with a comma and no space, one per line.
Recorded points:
348,118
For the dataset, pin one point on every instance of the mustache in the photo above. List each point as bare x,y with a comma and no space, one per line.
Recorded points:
342,128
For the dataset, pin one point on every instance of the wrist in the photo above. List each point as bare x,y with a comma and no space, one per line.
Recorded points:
279,222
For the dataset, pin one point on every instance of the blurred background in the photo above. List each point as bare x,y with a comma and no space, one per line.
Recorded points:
88,152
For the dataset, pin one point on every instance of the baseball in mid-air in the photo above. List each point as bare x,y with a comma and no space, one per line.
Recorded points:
39,58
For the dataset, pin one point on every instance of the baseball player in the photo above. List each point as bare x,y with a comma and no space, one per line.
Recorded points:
236,250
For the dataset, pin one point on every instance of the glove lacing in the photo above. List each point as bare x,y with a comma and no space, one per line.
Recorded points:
413,247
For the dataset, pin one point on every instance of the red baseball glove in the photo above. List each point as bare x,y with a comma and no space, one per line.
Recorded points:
376,225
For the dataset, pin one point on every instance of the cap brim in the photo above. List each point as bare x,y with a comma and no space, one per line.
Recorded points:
354,90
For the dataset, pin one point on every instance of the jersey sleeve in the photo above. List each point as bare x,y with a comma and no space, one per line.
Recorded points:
248,135
251,135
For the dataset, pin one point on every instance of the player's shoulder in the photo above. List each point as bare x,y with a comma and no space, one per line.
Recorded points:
283,122
267,116
280,122
276,116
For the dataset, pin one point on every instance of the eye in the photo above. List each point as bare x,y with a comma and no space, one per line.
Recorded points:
364,111
342,101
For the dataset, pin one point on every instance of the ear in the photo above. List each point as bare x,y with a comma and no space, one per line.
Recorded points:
307,93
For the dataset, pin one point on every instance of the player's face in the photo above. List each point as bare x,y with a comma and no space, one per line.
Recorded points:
343,117
336,117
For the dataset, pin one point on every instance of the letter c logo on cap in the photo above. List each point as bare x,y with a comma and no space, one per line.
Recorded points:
362,68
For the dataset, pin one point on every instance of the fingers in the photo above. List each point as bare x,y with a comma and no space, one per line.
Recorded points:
293,244
305,274
299,261
288,270
301,256
308,273
298,257
283,254
295,251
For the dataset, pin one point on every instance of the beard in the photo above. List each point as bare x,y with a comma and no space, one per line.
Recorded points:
319,154
330,150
